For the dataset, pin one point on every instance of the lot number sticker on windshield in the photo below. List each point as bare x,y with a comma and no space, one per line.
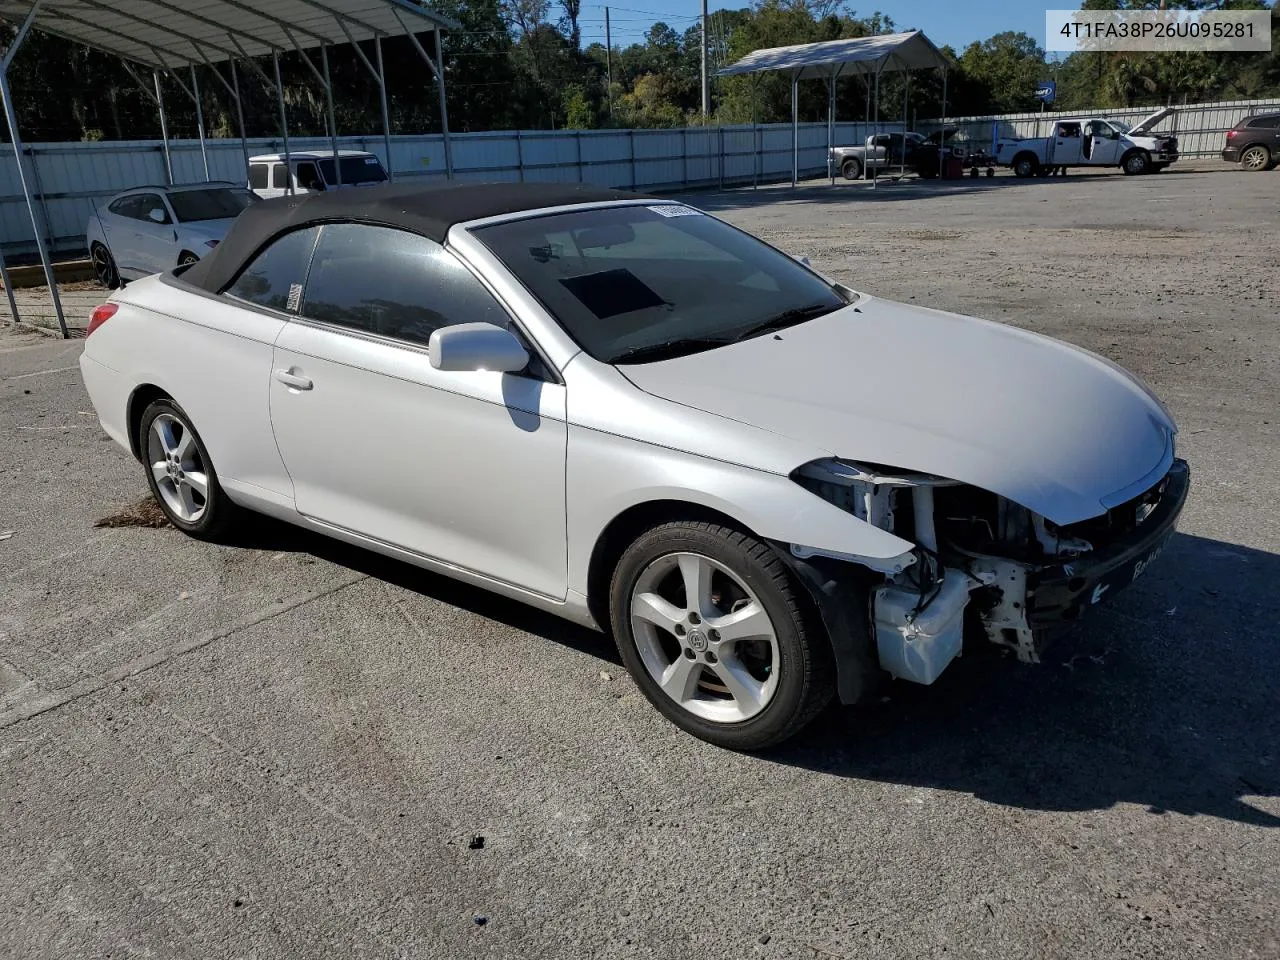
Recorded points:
676,210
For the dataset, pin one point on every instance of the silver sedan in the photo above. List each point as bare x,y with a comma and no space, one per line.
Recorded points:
772,489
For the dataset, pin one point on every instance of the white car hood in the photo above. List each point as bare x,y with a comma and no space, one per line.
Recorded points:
1060,431
1143,126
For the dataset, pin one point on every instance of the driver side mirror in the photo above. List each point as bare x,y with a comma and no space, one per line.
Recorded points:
477,346
158,216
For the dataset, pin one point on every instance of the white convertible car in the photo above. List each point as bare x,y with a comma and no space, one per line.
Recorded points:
770,488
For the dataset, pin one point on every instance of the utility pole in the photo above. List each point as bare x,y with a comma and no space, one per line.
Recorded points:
706,86
608,61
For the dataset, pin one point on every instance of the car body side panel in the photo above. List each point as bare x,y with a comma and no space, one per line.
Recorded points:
213,358
465,467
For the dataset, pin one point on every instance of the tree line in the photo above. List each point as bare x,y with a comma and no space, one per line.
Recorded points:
522,64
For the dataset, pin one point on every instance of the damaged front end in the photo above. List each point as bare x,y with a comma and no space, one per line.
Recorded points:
1012,574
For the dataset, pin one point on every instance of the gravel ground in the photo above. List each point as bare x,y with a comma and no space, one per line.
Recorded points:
293,748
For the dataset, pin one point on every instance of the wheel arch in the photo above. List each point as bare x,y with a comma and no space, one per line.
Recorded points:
142,397
1124,157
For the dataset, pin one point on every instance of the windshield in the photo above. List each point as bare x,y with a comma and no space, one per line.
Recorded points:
353,170
640,283
1121,125
215,203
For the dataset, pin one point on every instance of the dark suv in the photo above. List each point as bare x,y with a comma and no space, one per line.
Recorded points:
1254,142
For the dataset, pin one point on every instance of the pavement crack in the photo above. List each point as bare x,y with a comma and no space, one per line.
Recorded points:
94,682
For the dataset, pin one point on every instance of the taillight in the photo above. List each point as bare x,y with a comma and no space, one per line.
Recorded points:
100,316
1230,134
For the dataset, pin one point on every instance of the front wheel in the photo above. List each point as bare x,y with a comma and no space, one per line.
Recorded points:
851,169
1137,162
180,473
711,627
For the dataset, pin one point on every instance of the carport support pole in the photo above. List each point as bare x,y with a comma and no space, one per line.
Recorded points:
875,179
244,143
164,127
12,119
195,92
906,94
795,129
382,100
831,125
942,137
284,123
333,123
444,110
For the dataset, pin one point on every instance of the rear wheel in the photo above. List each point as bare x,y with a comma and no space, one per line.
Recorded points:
186,258
851,169
180,473
1025,166
710,625
1255,158
104,266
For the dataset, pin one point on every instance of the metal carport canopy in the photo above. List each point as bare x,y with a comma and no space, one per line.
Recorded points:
168,35
830,59
164,34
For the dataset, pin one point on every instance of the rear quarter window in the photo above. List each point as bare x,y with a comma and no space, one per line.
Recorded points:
274,278
258,176
1271,122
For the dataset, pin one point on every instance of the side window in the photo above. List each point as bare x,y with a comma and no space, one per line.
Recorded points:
308,176
1268,122
278,176
275,277
125,207
258,176
393,283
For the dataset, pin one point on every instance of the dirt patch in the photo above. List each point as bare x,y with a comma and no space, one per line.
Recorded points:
927,234
144,513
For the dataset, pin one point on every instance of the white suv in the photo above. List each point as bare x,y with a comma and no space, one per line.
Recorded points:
313,171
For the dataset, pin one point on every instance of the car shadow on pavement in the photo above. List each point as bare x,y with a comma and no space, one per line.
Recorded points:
273,535
1170,698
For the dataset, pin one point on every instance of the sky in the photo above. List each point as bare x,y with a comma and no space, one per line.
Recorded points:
953,22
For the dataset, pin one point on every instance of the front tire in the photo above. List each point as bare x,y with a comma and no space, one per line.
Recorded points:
851,169
180,473
711,627
1136,163
1255,159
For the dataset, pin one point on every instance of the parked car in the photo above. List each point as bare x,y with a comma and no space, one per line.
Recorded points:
150,229
313,171
886,151
1092,142
634,415
1254,142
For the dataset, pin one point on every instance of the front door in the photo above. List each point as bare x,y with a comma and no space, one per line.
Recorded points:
464,467
1104,144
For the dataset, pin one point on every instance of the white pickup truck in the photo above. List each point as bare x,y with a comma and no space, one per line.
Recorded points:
1092,142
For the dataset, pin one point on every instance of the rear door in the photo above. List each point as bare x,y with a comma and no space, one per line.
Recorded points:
119,227
156,242
1066,146
466,468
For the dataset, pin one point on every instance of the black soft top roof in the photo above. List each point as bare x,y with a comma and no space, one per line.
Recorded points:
426,210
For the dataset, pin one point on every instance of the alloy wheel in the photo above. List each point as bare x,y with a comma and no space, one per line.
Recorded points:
705,637
104,268
1255,158
179,471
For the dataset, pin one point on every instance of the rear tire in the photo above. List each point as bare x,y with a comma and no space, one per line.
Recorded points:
740,666
187,257
104,266
851,169
1255,159
181,475
1025,166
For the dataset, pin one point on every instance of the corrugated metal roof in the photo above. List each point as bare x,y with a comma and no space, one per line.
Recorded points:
173,33
889,51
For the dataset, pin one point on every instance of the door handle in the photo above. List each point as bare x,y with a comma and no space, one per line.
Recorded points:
291,379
